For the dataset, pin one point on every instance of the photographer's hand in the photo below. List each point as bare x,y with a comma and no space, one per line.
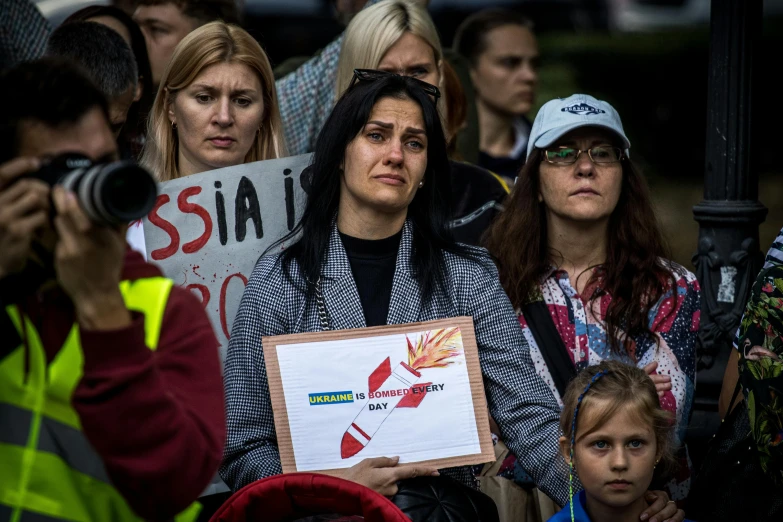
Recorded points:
24,208
88,260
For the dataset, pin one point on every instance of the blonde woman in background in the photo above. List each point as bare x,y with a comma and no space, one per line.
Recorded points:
398,36
216,106
394,36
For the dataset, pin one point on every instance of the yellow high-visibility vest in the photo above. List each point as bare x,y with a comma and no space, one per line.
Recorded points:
48,469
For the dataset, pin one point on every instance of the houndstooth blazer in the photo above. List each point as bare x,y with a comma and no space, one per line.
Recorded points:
519,400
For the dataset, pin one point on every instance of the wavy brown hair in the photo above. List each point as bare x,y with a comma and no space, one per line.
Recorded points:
636,273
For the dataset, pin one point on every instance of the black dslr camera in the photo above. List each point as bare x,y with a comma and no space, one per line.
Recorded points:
109,193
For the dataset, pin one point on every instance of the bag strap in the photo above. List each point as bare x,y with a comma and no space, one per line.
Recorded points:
551,345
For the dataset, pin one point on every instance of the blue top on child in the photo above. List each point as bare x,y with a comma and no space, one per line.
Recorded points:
580,514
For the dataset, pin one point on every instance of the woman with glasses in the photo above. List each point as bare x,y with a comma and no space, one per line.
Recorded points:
373,248
579,240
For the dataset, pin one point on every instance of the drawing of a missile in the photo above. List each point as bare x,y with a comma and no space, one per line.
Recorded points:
388,390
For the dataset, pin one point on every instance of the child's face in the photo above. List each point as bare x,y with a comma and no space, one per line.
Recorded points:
615,462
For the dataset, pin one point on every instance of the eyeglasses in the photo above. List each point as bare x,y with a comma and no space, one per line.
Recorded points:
370,75
599,155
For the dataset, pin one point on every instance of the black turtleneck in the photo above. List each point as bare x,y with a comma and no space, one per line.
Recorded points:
372,263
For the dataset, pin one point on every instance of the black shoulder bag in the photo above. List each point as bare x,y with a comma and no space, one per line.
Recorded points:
555,354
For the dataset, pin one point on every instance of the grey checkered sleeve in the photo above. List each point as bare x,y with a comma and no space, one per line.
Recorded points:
307,95
251,446
23,32
519,400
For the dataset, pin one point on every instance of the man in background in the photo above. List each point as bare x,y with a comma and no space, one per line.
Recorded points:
106,59
166,22
503,55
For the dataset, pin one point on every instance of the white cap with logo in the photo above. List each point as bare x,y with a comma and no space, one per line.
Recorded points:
562,115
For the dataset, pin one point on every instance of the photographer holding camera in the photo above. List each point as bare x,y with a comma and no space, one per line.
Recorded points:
111,397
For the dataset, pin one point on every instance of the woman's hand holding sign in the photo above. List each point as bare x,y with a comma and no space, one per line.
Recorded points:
381,474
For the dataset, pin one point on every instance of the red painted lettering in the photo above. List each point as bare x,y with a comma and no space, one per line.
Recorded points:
168,228
194,208
223,289
203,290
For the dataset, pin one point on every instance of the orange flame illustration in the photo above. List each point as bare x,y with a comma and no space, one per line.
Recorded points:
434,348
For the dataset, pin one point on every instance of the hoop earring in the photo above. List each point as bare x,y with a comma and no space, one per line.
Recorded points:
173,126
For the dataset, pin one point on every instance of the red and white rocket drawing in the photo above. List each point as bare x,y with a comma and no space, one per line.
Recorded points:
382,379
400,388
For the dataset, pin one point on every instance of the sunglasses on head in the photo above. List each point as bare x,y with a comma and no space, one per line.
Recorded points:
370,75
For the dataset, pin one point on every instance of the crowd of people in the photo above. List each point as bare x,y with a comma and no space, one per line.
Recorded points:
432,195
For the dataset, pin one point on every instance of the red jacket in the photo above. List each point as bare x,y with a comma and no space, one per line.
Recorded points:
157,419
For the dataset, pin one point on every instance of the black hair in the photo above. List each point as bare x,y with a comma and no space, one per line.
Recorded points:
100,51
429,211
203,11
470,39
138,112
51,91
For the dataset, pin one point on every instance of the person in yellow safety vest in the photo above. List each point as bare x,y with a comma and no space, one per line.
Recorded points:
111,396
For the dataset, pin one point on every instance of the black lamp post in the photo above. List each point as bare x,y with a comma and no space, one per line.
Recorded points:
728,256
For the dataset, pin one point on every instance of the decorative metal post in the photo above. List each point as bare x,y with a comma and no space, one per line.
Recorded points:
728,256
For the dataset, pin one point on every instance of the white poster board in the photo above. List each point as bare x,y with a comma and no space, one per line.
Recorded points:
207,231
413,391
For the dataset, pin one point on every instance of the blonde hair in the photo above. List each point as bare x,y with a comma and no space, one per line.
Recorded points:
215,42
375,30
620,386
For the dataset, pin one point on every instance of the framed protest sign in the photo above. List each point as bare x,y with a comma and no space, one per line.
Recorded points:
206,231
412,390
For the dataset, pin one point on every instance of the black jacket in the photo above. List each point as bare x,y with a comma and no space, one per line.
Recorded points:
477,197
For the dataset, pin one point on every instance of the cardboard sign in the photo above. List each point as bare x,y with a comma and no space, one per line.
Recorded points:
413,391
207,231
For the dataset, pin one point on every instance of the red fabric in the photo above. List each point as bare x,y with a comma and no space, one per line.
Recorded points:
296,495
157,418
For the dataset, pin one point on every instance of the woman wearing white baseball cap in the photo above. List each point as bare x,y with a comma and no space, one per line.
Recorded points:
582,257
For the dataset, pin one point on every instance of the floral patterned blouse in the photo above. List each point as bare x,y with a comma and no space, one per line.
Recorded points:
580,324
760,341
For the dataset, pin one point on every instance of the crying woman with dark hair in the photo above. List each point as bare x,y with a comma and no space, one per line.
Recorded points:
373,248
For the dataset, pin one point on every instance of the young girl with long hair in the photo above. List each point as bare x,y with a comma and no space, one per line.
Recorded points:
616,439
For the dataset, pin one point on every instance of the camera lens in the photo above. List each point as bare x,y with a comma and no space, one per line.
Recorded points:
127,191
113,193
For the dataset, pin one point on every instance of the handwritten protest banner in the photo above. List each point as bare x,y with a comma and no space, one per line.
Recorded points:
207,231
412,390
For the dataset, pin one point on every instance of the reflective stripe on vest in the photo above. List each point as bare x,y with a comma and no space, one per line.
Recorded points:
49,469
